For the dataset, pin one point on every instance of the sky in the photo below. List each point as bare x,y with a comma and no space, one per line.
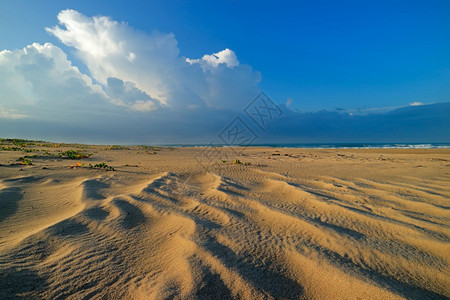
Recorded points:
181,72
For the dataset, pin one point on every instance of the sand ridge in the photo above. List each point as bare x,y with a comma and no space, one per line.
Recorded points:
305,224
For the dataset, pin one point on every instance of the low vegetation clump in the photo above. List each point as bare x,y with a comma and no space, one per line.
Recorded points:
7,148
24,161
73,154
18,142
117,147
28,146
27,150
102,165
238,162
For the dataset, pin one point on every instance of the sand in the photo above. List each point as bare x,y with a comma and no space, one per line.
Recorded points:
180,223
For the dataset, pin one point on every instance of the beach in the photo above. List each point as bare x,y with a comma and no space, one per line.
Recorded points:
143,222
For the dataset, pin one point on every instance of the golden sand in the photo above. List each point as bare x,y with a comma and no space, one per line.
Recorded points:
180,223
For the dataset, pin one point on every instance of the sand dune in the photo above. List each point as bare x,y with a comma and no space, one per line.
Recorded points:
305,224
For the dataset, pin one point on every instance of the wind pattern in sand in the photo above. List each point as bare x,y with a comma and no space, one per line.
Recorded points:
312,224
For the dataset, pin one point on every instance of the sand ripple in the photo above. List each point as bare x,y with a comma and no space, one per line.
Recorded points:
229,232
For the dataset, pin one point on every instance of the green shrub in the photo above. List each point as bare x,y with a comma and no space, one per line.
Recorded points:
73,154
24,161
102,165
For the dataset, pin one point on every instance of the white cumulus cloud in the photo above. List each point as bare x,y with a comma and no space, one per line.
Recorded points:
114,49
210,62
40,78
152,62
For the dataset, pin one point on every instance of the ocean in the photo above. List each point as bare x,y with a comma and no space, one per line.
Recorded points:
331,145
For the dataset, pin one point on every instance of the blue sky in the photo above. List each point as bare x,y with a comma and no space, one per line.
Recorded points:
358,56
